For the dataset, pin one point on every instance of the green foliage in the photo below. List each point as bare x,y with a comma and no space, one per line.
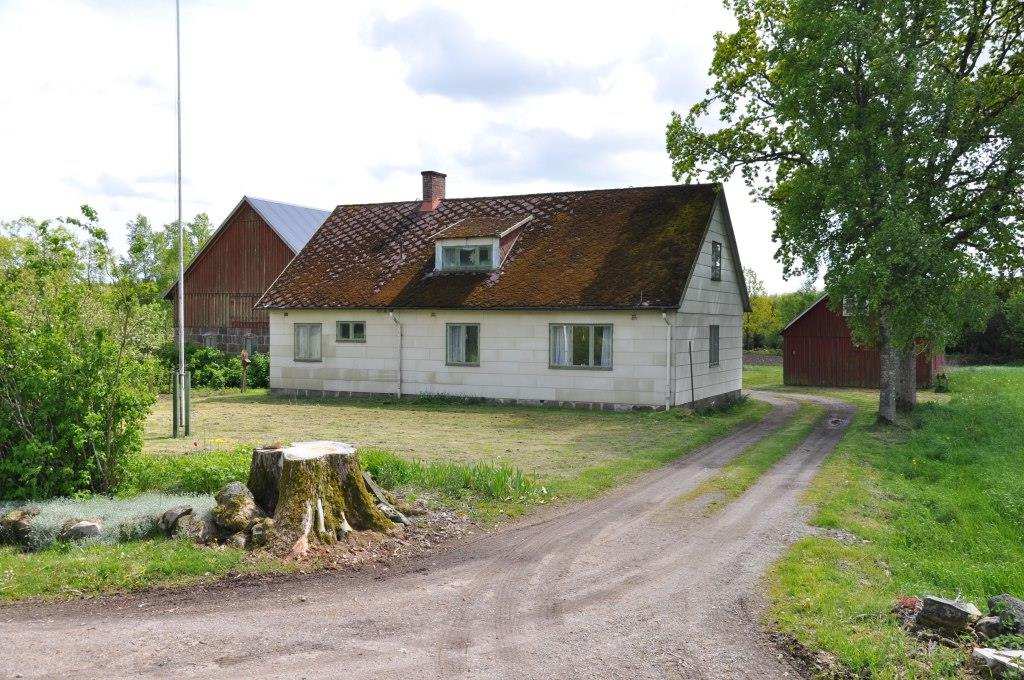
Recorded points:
214,368
197,473
936,509
75,381
71,571
762,326
500,482
153,254
941,383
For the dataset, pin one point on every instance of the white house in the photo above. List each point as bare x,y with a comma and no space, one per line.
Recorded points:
620,298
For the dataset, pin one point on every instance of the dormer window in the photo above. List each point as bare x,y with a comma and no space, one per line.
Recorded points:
467,257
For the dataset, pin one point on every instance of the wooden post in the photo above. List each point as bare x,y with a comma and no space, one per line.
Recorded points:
245,367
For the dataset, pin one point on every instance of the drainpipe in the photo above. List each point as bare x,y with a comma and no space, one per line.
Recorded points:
399,325
668,361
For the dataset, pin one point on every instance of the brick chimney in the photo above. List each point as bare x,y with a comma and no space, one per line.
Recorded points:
433,190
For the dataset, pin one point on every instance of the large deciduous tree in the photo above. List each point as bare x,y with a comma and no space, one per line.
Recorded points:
887,136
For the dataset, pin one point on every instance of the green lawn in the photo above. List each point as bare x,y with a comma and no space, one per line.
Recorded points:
65,571
937,508
572,452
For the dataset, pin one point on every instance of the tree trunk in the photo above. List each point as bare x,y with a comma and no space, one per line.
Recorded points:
906,397
264,476
889,374
321,493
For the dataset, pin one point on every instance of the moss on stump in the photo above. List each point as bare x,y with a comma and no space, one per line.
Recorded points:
321,494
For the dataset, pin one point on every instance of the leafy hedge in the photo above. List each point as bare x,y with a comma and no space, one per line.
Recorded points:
211,367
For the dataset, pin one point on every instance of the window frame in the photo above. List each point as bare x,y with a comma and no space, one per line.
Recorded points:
591,366
352,328
714,340
447,351
716,261
295,342
457,267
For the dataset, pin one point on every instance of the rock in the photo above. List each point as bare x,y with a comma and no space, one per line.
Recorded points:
946,615
79,529
198,529
239,540
1000,662
260,531
170,518
1010,611
15,525
989,626
236,509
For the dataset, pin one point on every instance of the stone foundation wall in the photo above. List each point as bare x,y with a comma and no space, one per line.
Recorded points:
230,340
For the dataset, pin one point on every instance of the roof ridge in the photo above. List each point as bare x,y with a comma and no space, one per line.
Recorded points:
292,205
537,194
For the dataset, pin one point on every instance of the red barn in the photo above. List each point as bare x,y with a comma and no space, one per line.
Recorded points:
818,349
233,269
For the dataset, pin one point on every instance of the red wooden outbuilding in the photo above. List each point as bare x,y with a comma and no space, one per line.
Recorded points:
818,349
240,261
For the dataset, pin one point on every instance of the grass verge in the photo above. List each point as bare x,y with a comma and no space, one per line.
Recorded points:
66,571
744,470
936,509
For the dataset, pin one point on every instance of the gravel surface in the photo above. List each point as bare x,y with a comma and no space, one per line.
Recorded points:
632,585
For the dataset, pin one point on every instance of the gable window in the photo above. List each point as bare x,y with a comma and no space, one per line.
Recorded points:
350,331
716,261
574,345
462,344
467,257
713,345
307,342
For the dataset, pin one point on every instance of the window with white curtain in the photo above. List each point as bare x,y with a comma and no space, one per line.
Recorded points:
462,344
467,257
576,345
307,342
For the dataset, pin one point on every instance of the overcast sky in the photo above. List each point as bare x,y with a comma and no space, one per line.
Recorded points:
321,103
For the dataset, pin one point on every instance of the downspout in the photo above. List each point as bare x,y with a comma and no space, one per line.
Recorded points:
668,361
398,324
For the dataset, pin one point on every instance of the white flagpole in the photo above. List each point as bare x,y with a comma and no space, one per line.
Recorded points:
181,229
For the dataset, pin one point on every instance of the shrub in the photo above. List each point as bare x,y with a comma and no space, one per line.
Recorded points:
941,383
75,383
202,473
211,367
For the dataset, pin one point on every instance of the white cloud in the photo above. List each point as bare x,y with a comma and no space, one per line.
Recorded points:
321,102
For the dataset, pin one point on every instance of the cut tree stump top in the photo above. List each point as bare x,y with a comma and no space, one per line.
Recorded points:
316,449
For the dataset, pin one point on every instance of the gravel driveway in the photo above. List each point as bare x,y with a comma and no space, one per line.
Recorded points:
636,584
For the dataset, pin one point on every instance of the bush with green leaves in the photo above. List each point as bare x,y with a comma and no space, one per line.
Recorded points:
76,382
214,368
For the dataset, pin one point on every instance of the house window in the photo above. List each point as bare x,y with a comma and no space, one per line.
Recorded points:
307,342
713,346
716,261
575,345
467,257
462,344
350,331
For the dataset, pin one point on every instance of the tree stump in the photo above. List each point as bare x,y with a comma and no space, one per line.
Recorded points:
321,493
264,476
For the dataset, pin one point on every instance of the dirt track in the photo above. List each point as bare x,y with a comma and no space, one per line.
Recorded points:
633,585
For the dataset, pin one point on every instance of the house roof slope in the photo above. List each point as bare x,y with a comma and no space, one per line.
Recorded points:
295,224
605,249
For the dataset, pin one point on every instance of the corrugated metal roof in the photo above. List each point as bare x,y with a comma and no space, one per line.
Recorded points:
295,224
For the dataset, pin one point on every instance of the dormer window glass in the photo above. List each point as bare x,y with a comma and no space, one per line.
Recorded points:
470,257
